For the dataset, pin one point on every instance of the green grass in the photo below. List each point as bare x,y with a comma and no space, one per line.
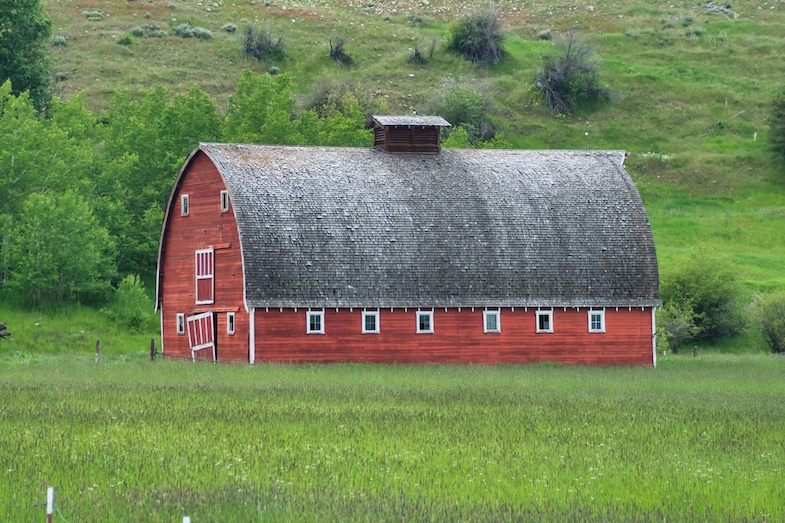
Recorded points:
693,440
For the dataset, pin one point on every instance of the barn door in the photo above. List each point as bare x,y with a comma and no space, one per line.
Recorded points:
201,335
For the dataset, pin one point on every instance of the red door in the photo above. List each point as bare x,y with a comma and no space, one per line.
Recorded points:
201,335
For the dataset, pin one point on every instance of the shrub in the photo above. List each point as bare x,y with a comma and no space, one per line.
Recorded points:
569,77
58,41
274,70
184,30
769,316
479,38
157,34
676,324
93,16
711,290
61,76
125,40
545,35
201,32
259,44
416,57
229,28
777,123
464,106
137,31
130,305
338,54
148,15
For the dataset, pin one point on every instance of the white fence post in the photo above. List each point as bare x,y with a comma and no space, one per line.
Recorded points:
186,519
50,503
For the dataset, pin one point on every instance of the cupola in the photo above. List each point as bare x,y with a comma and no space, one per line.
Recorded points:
408,134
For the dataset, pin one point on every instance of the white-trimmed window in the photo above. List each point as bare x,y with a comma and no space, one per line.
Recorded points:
314,322
224,201
230,327
180,323
371,322
205,272
424,322
185,205
597,320
491,321
545,321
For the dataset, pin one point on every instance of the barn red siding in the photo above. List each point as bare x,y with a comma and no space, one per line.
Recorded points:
458,338
205,226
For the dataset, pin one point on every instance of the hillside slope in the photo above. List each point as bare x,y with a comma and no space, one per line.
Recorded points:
691,89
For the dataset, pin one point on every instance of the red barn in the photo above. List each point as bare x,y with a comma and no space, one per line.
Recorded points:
407,253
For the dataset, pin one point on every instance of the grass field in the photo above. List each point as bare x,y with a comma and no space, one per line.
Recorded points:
129,440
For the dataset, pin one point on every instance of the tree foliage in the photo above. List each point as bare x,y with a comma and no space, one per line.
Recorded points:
708,288
676,324
24,33
569,76
769,314
479,38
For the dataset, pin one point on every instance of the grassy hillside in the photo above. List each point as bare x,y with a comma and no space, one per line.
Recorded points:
691,90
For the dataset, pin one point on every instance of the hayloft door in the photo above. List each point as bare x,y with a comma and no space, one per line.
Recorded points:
201,335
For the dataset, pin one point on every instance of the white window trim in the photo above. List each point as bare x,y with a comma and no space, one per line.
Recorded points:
210,276
185,205
485,314
224,201
430,321
538,315
602,320
375,314
231,327
180,324
320,315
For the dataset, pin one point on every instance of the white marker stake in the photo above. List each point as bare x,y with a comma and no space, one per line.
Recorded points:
50,503
186,519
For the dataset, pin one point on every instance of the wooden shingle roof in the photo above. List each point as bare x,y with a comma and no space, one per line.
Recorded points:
344,227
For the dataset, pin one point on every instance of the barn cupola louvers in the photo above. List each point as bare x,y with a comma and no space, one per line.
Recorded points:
423,255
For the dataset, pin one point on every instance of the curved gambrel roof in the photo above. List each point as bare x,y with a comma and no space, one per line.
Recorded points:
345,227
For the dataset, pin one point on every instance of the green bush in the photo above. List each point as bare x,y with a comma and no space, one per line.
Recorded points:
201,32
259,44
545,34
58,41
711,291
229,28
125,40
464,106
569,77
479,38
137,31
184,30
338,54
130,306
769,315
93,16
676,324
777,123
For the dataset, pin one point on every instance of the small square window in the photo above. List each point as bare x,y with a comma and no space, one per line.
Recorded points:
371,322
491,321
180,323
185,205
315,322
224,201
230,323
544,321
424,322
596,321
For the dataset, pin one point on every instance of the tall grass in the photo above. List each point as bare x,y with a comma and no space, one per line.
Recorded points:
694,440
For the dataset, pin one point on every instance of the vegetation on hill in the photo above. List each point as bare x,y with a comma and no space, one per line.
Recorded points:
687,90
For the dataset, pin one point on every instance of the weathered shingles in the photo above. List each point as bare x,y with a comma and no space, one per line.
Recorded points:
342,227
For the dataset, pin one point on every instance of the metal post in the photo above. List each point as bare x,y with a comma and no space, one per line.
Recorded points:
152,349
98,351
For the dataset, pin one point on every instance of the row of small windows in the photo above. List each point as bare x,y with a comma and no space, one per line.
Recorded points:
491,321
185,203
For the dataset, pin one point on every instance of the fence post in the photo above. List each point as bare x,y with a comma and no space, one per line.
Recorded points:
152,349
694,351
50,503
186,519
98,351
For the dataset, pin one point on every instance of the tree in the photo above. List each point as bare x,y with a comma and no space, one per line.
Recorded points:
59,251
770,320
711,291
676,324
24,34
569,76
777,123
